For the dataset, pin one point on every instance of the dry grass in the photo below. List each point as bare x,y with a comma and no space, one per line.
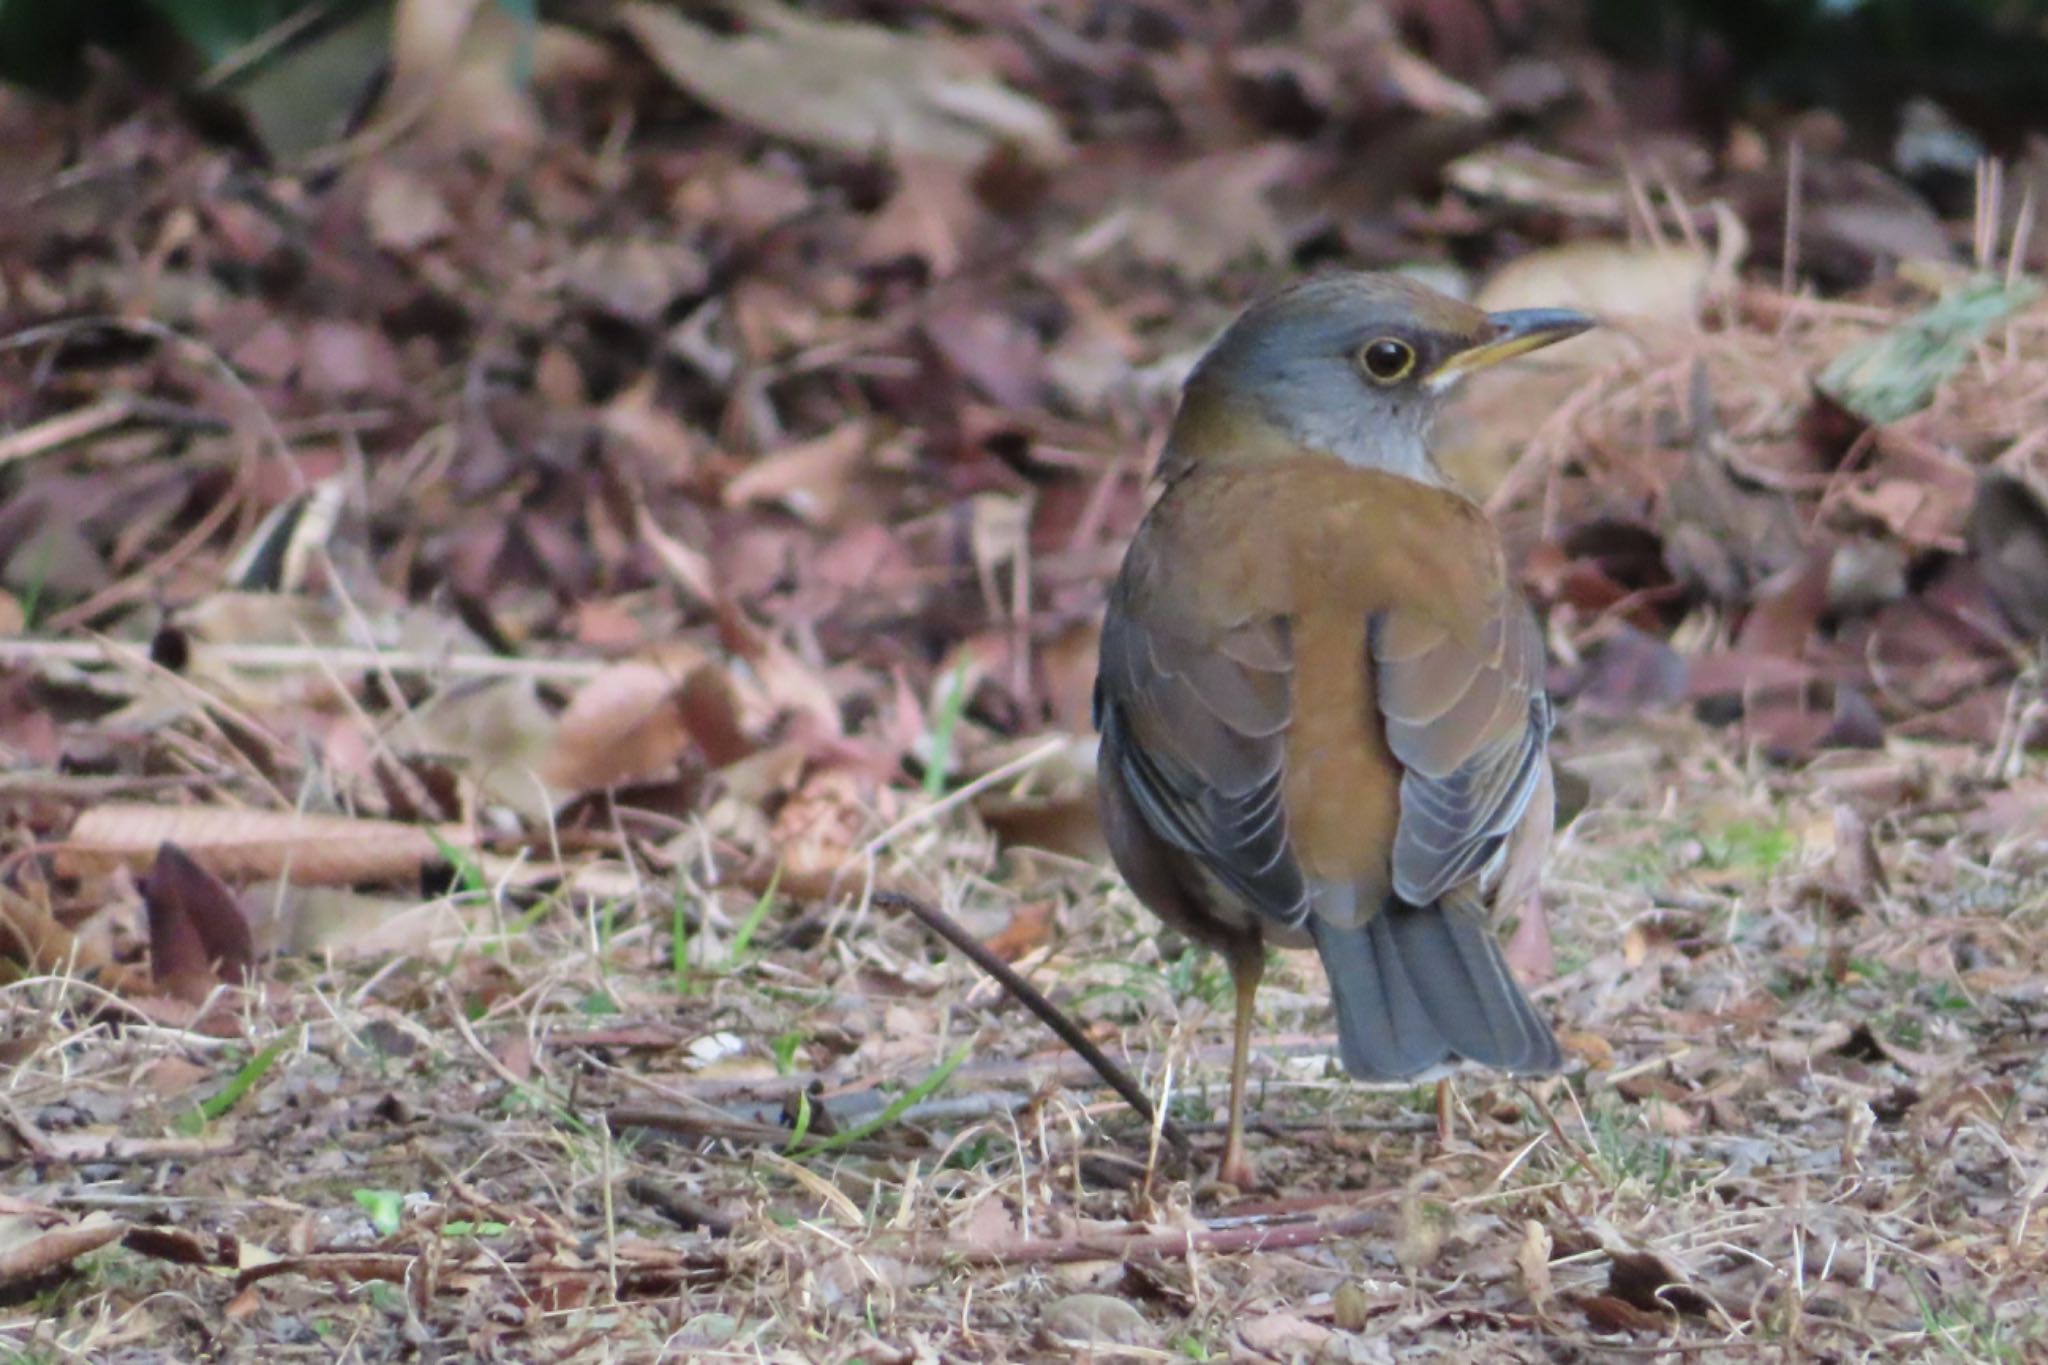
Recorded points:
1815,1104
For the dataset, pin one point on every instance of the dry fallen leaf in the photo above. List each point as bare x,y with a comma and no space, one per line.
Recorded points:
636,720
31,936
28,1253
198,936
853,88
1532,1264
812,479
1094,1319
405,210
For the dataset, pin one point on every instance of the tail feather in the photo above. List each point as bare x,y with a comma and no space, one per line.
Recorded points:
1417,987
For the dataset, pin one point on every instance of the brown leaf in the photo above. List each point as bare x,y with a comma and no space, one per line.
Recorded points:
790,685
26,1254
198,936
930,216
1204,215
1610,1314
811,479
853,88
993,350
1787,609
31,936
636,720
1646,1281
819,828
1279,1334
1029,928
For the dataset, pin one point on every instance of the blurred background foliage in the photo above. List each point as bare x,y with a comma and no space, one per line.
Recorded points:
1986,58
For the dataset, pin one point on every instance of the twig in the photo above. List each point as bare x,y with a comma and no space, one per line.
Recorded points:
966,792
686,1211
323,656
727,1128
1119,1080
66,427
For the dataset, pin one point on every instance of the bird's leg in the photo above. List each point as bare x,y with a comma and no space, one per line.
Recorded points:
1444,1128
1245,970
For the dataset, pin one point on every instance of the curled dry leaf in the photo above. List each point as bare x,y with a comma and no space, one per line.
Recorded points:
198,936
635,720
1518,174
239,844
26,1254
852,88
1646,1281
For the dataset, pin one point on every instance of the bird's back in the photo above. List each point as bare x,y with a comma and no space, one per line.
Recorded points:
1248,758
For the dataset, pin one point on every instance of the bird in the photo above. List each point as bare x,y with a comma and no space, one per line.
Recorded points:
1320,693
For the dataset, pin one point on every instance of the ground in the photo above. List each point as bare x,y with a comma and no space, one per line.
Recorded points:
507,599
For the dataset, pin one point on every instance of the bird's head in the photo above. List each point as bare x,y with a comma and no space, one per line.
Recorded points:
1354,366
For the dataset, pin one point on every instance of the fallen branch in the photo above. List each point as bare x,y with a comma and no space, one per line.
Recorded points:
1118,1079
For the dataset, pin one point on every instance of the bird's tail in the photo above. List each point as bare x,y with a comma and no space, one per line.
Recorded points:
1419,986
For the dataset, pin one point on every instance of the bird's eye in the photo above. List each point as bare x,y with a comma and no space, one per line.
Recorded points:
1387,359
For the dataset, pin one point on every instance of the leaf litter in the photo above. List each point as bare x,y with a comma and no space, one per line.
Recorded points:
514,603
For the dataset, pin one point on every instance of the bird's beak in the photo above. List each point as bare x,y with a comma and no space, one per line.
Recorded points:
1512,334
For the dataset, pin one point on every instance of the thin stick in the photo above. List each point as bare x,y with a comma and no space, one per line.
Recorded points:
1119,1080
964,793
1795,161
255,656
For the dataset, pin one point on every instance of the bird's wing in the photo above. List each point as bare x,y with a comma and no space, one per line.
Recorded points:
1194,720
1467,716
1196,694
